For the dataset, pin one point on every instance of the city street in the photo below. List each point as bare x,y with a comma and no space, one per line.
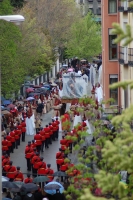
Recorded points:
18,157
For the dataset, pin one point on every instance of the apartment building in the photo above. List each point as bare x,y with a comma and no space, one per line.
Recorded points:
126,53
93,5
117,63
110,63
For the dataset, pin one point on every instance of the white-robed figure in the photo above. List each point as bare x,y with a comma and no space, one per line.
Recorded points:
77,119
99,93
89,130
30,123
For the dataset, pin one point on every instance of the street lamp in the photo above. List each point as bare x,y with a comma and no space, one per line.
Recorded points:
17,19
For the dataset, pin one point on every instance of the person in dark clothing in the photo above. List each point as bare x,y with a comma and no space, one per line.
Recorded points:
29,196
74,62
38,195
40,109
99,64
58,196
17,196
63,109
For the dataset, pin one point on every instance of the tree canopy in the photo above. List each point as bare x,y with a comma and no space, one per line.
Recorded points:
25,50
5,8
56,18
17,3
85,41
29,49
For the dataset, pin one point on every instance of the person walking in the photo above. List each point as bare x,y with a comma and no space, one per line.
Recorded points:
38,139
37,124
5,146
10,145
49,172
35,159
59,159
42,133
29,196
23,124
12,134
39,109
28,154
28,179
10,169
18,175
47,136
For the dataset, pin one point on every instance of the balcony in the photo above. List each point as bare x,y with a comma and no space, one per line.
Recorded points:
98,11
123,55
130,57
123,6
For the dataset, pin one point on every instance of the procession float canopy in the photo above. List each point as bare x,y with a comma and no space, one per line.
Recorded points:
75,86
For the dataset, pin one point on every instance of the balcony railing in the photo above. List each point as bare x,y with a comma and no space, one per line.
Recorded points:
123,6
130,57
123,55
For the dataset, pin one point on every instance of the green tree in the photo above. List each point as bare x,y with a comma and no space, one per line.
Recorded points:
10,35
35,46
17,3
25,50
85,41
5,7
56,18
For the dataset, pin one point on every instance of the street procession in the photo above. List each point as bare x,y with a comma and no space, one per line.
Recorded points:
66,98
25,117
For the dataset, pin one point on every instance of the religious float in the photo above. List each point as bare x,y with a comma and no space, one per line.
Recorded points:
74,87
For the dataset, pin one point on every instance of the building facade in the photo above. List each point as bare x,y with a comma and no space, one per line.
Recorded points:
93,5
117,62
126,53
110,57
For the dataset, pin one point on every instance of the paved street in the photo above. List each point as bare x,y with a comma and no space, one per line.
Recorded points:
18,157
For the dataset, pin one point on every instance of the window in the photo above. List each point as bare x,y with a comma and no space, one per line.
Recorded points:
98,11
91,9
112,46
80,1
112,6
113,78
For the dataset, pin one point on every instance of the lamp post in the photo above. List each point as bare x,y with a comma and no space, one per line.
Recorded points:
16,19
56,49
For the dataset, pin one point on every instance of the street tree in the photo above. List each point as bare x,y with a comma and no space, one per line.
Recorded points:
10,36
85,41
35,46
5,8
56,18
24,51
17,3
